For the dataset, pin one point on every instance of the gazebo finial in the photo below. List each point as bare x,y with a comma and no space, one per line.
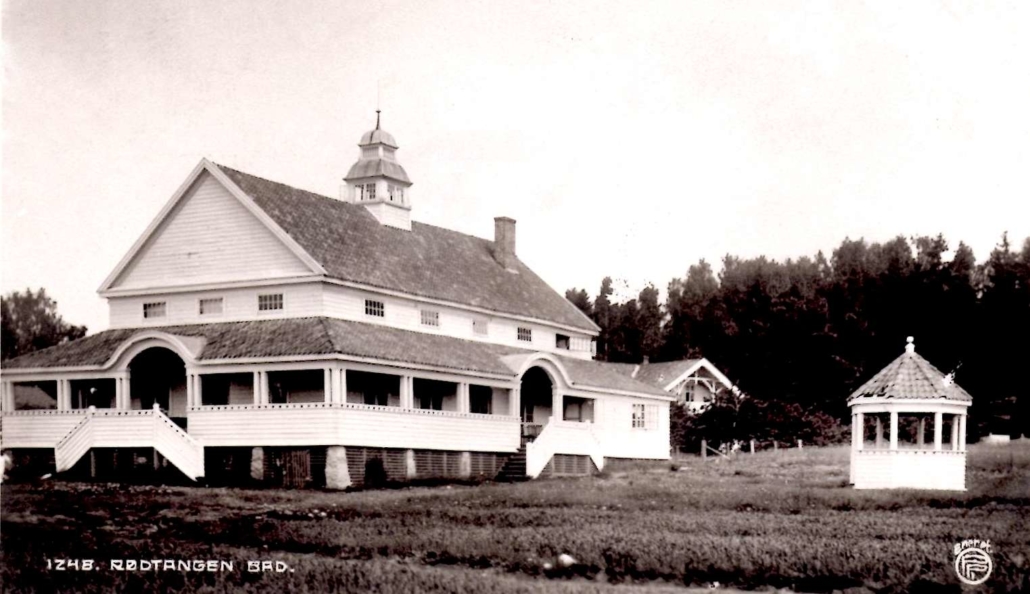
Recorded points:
911,346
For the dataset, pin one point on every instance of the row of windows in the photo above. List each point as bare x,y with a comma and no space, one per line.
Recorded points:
373,307
212,306
367,192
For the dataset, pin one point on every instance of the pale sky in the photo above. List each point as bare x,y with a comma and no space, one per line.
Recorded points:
627,139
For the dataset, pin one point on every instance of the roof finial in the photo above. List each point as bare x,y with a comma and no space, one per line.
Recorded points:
377,119
911,346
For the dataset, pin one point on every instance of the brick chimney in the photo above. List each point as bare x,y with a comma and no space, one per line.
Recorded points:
504,242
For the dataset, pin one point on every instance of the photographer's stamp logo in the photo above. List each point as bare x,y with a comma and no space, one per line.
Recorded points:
973,561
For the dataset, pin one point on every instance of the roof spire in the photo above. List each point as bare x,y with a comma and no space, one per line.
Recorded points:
377,119
911,346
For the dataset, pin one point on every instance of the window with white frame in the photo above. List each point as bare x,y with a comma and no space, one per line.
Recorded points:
375,308
157,309
430,318
561,341
479,327
525,334
370,191
645,416
211,306
270,302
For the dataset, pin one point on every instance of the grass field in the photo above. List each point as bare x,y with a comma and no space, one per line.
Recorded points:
772,520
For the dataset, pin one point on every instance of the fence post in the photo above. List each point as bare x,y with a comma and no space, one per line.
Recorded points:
799,444
704,450
752,446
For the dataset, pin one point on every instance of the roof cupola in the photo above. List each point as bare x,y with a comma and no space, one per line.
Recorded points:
378,181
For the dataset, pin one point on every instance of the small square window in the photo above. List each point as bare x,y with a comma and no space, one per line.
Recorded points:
526,334
370,191
479,327
561,341
155,310
375,308
211,306
430,318
271,302
645,416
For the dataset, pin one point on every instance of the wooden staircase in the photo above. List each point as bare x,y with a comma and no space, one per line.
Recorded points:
515,468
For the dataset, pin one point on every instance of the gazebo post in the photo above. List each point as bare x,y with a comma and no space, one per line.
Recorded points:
938,430
860,417
894,430
879,432
962,433
920,440
954,432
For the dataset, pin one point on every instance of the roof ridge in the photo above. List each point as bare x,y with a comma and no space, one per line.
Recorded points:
921,365
336,201
324,323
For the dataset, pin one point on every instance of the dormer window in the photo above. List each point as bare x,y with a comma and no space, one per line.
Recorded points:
526,334
375,308
370,191
154,310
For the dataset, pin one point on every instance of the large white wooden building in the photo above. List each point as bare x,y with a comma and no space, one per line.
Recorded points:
258,330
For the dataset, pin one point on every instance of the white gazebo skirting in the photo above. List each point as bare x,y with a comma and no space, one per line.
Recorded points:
886,464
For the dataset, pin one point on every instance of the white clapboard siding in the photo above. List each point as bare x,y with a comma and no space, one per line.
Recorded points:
123,429
432,430
299,300
38,429
621,440
922,469
352,424
209,237
348,303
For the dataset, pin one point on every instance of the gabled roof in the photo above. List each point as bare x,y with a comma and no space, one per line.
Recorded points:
667,374
911,377
300,337
428,261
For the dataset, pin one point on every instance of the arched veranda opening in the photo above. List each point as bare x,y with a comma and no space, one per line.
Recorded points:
158,376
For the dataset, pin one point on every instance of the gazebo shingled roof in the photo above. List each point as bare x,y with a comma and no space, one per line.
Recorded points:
911,377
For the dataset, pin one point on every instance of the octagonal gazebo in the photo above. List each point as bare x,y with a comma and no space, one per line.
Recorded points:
913,399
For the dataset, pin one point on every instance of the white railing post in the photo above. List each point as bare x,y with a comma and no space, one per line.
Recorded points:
962,433
938,430
341,385
860,421
327,384
894,430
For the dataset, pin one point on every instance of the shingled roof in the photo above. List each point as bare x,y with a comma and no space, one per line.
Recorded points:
657,374
911,377
327,336
428,261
